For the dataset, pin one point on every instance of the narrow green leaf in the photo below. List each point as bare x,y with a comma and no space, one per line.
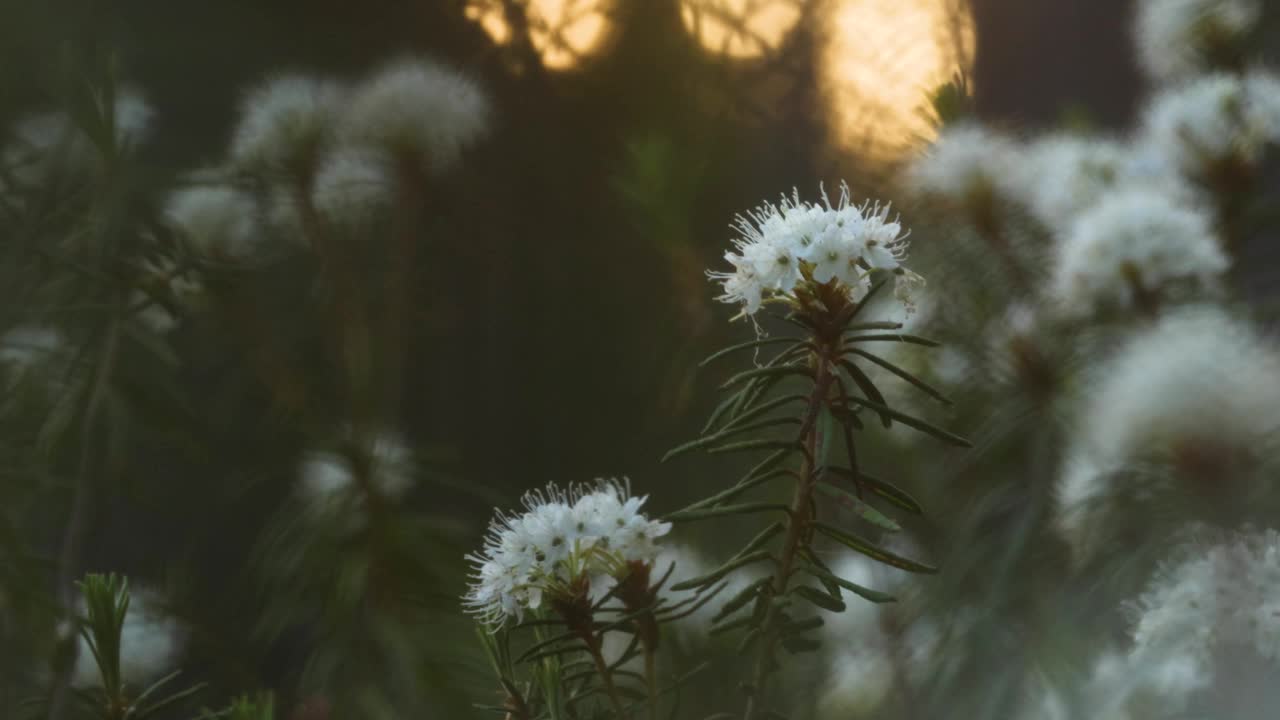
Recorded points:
859,507
864,383
803,626
170,700
761,538
819,598
703,598
759,387
554,652
854,542
909,421
724,407
767,372
740,599
895,337
762,342
728,433
733,492
923,386
886,490
732,625
539,646
723,570
875,596
763,408
740,509
746,445
874,325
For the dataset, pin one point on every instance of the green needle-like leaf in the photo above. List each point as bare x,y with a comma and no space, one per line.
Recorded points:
819,598
763,342
895,337
767,372
854,542
741,509
859,507
864,383
923,386
921,425
886,490
720,572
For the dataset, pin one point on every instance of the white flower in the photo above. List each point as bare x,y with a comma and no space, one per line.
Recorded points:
1134,242
1215,119
284,123
328,477
586,531
967,164
417,108
1177,39
780,246
352,186
150,642
1200,392
49,143
216,221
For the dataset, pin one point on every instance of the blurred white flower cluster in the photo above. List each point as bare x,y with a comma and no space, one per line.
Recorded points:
782,246
1192,400
1179,38
1124,359
379,463
563,537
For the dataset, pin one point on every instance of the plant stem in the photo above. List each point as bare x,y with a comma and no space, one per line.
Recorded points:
651,679
593,647
797,529
82,502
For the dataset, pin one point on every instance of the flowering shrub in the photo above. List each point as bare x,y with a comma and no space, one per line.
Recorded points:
1038,485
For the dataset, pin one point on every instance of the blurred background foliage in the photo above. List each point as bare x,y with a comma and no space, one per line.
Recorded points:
558,304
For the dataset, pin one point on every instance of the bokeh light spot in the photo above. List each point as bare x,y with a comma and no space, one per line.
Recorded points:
881,60
740,28
563,32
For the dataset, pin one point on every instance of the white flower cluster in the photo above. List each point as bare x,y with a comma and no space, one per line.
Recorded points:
329,477
562,536
150,642
1179,38
1215,119
966,164
1199,616
1200,384
50,143
1065,174
320,151
216,221
1135,241
780,246
283,124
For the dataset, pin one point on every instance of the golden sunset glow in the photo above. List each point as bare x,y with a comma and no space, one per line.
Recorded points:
880,61
563,32
740,28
